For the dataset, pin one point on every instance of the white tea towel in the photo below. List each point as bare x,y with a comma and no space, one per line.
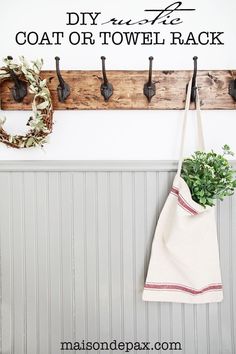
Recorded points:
184,263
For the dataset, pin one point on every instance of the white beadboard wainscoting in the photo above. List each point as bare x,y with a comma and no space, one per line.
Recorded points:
75,244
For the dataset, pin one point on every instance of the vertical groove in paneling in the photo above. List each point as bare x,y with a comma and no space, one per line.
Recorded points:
61,260
29,236
219,304
165,307
233,232
134,259
145,230
121,252
5,258
73,300
18,263
152,214
91,255
82,241
49,300
109,254
85,254
55,259
97,259
79,232
170,182
183,327
12,294
171,320
208,329
24,267
224,233
231,277
158,210
102,257
195,329
43,271
36,266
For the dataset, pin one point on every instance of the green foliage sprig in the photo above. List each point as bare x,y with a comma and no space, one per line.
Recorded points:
209,176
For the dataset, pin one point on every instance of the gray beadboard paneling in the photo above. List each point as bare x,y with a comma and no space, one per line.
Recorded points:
75,245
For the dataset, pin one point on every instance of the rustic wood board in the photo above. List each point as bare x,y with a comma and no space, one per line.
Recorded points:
128,90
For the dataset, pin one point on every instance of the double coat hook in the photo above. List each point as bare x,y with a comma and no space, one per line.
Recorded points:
194,79
106,86
149,88
63,89
19,90
232,88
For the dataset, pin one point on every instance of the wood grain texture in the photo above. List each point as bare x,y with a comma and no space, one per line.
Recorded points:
128,90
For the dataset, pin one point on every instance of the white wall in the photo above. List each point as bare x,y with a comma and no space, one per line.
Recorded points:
119,134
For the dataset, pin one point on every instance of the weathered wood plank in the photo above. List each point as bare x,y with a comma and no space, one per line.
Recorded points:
128,90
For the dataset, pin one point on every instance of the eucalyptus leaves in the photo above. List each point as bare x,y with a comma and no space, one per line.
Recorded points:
40,122
209,176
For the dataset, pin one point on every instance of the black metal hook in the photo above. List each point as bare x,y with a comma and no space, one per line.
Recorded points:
232,88
194,86
149,88
19,90
63,89
106,86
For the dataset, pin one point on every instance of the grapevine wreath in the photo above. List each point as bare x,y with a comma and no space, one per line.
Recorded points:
41,121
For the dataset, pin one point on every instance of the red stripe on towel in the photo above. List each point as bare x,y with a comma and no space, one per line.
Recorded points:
179,287
182,202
